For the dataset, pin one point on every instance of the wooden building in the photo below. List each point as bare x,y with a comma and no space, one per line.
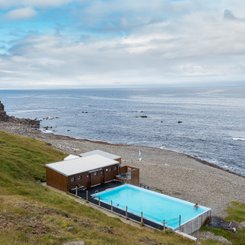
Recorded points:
102,153
129,175
82,172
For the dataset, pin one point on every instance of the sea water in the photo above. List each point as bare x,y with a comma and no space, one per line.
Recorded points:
208,123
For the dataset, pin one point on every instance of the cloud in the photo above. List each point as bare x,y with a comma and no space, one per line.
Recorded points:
33,3
127,42
229,15
20,14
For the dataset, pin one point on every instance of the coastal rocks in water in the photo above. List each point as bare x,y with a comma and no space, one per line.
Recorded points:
5,118
180,122
47,127
50,118
143,116
32,123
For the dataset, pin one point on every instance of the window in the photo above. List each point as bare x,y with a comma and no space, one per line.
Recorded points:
109,169
72,179
78,177
95,173
115,168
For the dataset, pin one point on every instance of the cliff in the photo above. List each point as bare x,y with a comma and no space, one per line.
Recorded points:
5,118
3,114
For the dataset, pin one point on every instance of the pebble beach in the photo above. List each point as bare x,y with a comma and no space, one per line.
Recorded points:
169,172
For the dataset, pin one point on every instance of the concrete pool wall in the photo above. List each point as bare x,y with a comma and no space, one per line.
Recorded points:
196,223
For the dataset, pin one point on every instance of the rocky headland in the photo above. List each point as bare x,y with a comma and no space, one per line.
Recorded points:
4,117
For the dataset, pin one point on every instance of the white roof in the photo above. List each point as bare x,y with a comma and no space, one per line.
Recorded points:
70,157
82,164
101,153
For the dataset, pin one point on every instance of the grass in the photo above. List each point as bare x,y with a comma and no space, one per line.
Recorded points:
236,213
33,214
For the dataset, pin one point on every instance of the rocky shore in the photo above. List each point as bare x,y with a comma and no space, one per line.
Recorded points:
14,120
166,171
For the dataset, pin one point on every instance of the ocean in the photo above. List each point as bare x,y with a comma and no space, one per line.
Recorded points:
207,123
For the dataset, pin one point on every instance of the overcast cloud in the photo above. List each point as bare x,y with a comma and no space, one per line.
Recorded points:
64,43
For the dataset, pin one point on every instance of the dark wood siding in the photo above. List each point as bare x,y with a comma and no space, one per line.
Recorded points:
56,179
133,177
80,180
85,179
97,177
110,172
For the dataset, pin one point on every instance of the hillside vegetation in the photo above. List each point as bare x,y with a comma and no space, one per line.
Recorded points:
31,213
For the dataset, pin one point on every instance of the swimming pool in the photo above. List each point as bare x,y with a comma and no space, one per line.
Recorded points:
156,207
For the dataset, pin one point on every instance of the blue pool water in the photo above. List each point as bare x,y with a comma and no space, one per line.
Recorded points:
156,207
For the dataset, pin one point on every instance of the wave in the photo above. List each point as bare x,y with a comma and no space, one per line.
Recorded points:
239,139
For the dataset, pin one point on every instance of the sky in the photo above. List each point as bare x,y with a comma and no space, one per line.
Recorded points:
113,43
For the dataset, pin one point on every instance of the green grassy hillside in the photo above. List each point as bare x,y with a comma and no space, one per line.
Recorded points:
33,214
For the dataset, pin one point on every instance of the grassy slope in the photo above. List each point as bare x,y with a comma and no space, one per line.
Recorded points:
236,213
33,214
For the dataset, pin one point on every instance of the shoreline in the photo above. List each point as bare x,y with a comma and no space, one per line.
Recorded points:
172,173
205,162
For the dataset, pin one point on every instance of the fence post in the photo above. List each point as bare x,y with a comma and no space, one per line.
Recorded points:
179,222
126,212
86,195
99,201
142,219
76,190
163,223
111,206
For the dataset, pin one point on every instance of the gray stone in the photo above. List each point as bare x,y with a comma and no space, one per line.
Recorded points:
75,243
242,225
208,235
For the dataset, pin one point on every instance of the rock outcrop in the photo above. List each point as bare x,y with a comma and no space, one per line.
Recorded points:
3,114
5,118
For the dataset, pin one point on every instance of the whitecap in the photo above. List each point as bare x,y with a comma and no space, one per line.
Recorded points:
239,139
46,131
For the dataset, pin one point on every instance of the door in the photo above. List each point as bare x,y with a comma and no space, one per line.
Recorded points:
96,177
